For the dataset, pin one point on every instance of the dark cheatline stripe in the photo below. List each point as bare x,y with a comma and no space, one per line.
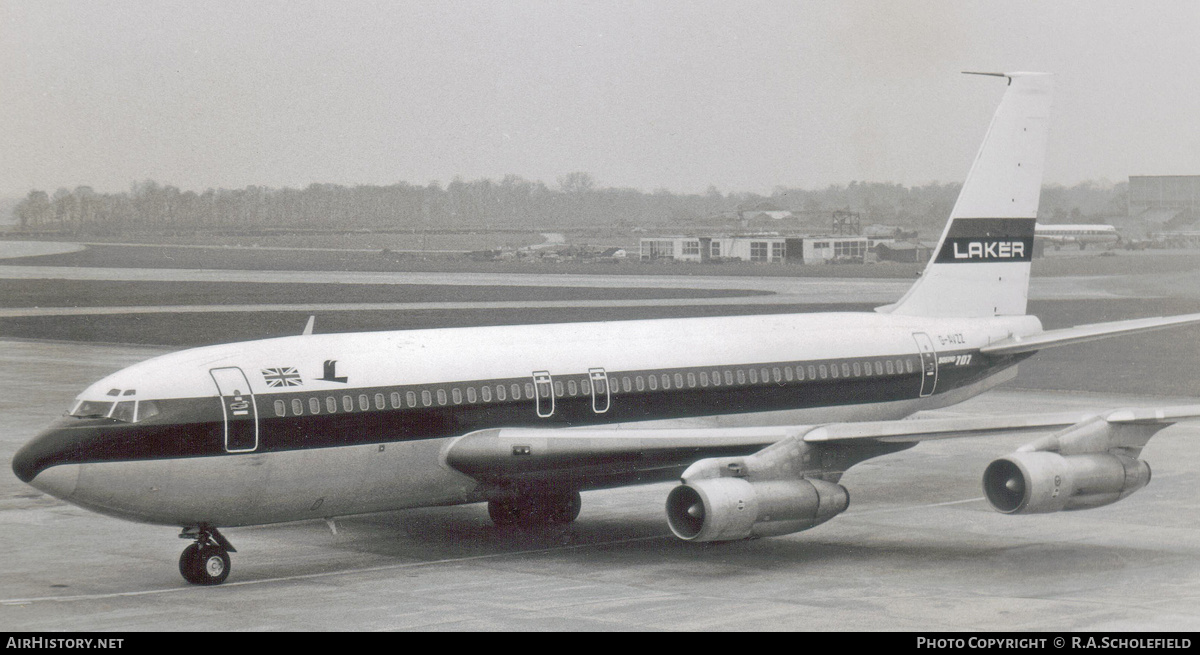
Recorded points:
194,427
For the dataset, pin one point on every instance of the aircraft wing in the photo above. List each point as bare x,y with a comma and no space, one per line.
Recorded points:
1082,333
598,457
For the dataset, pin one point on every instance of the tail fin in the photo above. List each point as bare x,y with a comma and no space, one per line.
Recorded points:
981,264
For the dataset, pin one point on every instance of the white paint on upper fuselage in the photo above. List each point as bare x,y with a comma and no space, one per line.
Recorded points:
377,359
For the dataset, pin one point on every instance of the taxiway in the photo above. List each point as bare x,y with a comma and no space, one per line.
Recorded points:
918,549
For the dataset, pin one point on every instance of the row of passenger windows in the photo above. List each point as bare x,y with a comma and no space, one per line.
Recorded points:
395,400
571,387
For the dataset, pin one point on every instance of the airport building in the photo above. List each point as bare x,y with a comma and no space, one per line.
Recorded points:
1163,198
761,248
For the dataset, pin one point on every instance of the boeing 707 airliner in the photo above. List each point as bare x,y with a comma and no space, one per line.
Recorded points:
758,417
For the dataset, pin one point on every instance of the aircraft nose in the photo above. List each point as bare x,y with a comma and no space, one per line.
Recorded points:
58,481
45,463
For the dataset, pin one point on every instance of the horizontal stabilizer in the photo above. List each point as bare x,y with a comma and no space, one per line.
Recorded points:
1082,333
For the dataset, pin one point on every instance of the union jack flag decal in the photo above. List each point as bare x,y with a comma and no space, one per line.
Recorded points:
282,377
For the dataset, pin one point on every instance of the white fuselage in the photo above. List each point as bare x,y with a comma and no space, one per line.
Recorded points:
338,424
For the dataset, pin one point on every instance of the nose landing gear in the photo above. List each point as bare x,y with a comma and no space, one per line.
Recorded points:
205,562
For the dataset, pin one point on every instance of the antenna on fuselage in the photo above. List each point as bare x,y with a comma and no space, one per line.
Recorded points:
308,328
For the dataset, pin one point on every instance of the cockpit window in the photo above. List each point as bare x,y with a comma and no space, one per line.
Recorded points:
92,409
129,411
146,409
125,411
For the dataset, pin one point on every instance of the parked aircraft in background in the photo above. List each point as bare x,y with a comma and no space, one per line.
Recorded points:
1081,235
759,416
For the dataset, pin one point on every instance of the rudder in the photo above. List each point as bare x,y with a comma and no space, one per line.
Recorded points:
982,261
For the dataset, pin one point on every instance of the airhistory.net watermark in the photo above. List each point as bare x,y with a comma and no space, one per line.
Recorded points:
62,642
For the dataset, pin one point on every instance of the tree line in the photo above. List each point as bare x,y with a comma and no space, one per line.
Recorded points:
512,203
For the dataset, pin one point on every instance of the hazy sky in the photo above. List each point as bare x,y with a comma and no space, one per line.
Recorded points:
677,95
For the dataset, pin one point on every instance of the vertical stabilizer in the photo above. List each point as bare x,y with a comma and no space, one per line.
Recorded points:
981,264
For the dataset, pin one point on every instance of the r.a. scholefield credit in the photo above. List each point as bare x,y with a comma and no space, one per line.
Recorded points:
1053,642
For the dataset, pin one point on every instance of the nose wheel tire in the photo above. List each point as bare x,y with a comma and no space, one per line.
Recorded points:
204,565
206,561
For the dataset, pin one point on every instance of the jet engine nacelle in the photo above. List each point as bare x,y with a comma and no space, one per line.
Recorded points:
1042,482
724,509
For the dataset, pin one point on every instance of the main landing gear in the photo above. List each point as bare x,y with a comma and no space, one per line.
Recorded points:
205,562
531,511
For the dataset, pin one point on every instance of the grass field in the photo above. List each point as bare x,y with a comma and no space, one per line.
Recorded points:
127,256
378,261
104,293
1117,365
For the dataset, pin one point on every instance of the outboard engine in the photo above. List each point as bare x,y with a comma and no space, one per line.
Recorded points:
1041,482
1090,464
